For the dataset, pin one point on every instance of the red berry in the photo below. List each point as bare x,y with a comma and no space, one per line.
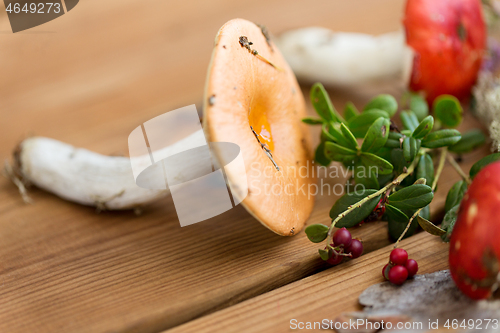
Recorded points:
385,271
335,260
355,248
342,237
399,257
412,267
398,275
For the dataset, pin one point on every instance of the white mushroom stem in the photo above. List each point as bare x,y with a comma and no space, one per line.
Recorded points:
81,176
346,60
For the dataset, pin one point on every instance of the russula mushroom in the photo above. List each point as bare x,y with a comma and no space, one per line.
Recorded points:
474,246
449,40
440,51
252,99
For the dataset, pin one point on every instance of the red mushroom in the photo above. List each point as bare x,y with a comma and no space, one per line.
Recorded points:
475,241
449,38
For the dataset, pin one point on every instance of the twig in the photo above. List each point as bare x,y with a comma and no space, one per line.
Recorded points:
458,169
244,42
442,159
389,186
266,150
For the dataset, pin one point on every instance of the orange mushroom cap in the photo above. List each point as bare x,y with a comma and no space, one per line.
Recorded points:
250,85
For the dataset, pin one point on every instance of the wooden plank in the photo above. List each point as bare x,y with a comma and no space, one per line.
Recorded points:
89,78
322,296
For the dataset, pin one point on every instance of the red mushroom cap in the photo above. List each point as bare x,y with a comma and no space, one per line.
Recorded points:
449,38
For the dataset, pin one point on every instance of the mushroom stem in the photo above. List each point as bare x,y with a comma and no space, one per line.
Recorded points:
347,59
80,175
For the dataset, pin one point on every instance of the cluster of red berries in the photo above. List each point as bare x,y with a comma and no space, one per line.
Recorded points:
399,268
344,246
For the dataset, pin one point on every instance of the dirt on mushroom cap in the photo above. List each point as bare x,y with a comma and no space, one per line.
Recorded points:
254,86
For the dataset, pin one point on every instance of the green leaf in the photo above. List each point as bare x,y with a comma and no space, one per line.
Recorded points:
360,124
377,135
325,135
350,111
322,103
384,167
449,220
395,135
406,132
392,144
383,102
482,163
338,153
424,128
396,229
331,132
441,138
409,120
394,214
425,212
397,222
411,198
319,155
419,106
448,110
312,121
470,140
393,141
385,153
425,169
353,144
421,181
409,148
430,227
384,179
358,214
366,177
325,254
398,160
317,232
455,195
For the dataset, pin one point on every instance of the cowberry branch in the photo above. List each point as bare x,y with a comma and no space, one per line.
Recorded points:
459,170
383,190
406,162
442,159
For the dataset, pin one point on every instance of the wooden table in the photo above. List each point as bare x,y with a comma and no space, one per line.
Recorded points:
89,78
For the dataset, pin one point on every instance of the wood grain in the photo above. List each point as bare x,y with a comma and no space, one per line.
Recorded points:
322,296
89,78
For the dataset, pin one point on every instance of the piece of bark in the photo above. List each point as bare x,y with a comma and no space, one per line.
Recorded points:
425,299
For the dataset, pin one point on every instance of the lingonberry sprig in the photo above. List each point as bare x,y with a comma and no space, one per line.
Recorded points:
342,245
403,184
